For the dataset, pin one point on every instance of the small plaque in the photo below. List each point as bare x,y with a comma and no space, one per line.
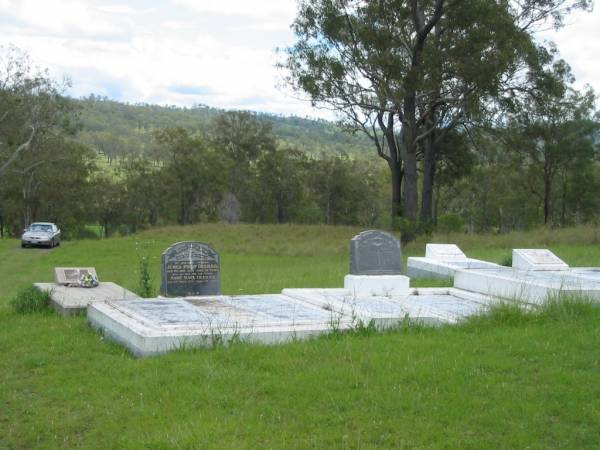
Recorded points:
537,259
190,268
444,252
65,276
375,253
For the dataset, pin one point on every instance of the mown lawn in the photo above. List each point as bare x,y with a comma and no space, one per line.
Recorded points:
509,381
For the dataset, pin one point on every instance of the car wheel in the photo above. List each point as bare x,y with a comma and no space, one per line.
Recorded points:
23,245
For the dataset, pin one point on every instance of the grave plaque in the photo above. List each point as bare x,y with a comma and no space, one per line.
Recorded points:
375,253
190,268
444,252
537,259
65,276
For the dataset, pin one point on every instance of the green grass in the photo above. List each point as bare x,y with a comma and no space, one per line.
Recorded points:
506,380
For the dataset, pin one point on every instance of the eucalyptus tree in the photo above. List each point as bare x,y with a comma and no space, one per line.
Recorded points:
32,109
553,133
406,72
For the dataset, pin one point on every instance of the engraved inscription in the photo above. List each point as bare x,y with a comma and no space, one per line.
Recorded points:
190,268
375,253
186,272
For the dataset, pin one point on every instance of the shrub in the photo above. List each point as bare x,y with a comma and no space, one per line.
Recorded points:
450,223
31,300
506,261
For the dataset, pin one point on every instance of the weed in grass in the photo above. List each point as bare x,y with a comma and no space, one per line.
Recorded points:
506,261
145,288
31,300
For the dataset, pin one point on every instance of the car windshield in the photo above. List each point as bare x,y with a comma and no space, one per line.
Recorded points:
40,227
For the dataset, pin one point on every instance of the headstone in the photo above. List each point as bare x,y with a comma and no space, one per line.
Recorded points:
65,276
375,253
444,252
190,268
537,259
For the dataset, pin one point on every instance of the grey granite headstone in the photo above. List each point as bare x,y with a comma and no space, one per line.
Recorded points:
190,268
375,253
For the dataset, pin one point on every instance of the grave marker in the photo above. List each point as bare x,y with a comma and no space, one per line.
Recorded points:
444,252
537,259
190,268
65,276
375,253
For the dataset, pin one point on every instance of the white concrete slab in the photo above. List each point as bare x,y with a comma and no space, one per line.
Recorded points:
529,286
430,306
423,267
154,326
71,300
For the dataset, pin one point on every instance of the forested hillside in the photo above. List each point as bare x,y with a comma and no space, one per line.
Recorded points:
118,129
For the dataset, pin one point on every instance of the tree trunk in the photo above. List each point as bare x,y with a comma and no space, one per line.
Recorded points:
547,192
411,194
397,176
429,167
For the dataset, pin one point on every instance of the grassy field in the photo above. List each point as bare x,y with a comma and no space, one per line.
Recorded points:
506,381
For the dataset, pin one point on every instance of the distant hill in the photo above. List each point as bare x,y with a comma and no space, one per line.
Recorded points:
118,129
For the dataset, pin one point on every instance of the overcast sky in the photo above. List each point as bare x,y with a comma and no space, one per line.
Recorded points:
184,52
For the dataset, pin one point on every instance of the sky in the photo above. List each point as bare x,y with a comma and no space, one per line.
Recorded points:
187,52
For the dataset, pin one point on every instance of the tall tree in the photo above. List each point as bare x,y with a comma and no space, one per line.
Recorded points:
407,71
31,107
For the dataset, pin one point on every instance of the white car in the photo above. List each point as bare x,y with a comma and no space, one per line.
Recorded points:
44,234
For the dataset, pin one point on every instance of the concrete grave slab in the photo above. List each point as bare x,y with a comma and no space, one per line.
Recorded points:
529,286
430,306
154,326
441,261
71,300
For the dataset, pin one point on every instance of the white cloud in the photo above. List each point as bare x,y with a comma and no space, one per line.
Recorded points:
578,43
63,17
263,8
218,53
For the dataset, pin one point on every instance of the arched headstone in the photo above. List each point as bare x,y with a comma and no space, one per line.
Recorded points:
190,268
375,253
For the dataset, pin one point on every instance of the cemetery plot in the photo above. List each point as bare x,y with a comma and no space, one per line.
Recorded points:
72,300
153,326
428,306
